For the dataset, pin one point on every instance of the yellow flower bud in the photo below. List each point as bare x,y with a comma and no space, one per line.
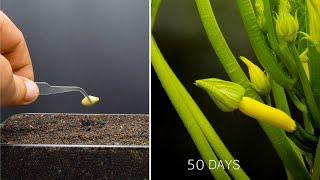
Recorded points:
229,96
260,14
314,22
304,59
287,26
258,78
267,114
226,95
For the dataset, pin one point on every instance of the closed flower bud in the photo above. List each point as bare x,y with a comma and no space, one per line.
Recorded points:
260,14
226,95
267,114
258,78
304,59
314,22
287,26
229,96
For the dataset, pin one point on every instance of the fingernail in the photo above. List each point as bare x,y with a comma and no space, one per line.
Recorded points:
32,91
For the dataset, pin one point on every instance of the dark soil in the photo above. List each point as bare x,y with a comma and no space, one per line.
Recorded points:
48,163
76,129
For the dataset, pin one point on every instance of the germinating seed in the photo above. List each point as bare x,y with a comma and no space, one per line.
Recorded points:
94,100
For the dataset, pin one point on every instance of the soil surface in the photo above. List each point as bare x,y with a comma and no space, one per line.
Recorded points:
76,129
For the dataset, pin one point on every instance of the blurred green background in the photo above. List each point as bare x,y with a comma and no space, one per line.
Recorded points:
184,44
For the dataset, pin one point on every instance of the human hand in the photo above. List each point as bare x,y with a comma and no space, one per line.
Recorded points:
16,73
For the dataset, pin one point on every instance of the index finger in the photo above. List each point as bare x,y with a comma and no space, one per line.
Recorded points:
14,48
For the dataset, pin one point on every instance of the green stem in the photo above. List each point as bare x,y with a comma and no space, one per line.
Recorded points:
313,108
307,136
307,123
213,138
276,136
279,97
316,167
221,47
210,134
290,177
167,79
269,102
272,37
314,69
281,103
155,4
299,105
260,47
314,63
299,143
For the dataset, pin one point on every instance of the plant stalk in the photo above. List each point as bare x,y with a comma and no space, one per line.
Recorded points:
314,69
166,78
155,5
212,137
316,167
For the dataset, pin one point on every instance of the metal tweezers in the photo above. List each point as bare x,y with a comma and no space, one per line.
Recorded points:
47,89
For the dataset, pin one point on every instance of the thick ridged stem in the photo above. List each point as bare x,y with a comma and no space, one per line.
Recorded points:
167,79
212,137
221,47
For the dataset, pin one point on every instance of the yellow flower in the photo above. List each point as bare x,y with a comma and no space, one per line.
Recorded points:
314,22
287,26
258,78
226,95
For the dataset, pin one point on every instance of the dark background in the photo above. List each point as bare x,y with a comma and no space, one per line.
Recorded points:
99,45
184,44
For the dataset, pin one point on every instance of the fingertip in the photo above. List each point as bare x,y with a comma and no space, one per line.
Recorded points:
32,91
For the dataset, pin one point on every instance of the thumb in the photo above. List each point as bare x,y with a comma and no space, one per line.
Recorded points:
24,91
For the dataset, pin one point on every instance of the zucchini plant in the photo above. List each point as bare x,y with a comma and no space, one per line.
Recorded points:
285,37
